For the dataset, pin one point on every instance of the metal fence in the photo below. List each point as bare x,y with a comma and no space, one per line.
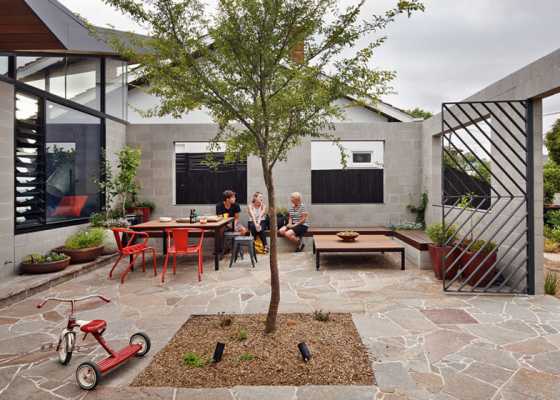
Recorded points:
486,216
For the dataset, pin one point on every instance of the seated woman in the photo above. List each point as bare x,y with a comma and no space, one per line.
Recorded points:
258,223
298,222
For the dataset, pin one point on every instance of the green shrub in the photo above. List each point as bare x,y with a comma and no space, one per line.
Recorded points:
320,315
553,218
36,258
193,360
479,244
242,334
547,231
550,246
92,237
246,357
550,283
97,220
438,235
554,235
551,175
147,204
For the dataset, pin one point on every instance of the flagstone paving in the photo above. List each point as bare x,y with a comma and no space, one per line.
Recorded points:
423,344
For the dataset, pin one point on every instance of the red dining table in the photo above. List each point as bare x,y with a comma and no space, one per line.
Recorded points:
219,227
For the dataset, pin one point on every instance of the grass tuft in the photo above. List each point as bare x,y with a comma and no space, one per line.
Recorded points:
193,360
550,283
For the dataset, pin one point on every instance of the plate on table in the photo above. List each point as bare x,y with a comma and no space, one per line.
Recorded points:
165,219
213,218
183,220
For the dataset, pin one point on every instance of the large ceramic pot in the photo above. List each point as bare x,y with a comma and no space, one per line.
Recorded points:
436,254
472,262
45,267
109,243
82,255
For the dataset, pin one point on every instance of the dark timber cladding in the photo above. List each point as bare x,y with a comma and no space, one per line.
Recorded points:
21,29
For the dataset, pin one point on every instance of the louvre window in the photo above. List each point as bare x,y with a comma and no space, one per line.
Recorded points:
29,162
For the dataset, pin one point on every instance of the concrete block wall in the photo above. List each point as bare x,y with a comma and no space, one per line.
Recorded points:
7,265
403,171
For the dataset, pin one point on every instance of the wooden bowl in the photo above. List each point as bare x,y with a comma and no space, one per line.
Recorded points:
348,236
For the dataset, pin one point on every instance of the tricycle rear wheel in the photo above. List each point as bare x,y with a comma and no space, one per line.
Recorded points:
88,375
142,339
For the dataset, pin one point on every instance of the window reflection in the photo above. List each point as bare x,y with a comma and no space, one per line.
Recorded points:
72,163
76,78
116,90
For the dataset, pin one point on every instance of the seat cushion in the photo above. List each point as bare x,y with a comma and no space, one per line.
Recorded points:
97,325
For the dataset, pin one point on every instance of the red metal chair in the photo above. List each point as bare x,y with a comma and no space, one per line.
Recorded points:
178,243
132,249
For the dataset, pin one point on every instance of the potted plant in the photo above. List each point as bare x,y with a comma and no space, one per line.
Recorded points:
145,208
472,261
41,264
84,246
438,249
282,216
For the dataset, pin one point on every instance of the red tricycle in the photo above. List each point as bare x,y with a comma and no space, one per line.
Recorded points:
88,374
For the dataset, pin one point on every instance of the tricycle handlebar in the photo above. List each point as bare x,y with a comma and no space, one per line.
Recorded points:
72,301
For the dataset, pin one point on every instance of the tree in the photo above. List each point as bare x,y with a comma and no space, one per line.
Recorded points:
259,67
551,175
123,184
552,142
417,112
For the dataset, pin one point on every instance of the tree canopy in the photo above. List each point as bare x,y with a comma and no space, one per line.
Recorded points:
417,112
268,71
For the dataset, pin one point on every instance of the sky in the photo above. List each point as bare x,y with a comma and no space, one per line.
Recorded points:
450,51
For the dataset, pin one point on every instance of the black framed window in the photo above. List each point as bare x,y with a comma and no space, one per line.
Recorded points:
360,180
198,183
57,164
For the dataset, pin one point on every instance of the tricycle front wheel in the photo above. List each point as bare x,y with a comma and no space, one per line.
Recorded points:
65,347
143,340
88,375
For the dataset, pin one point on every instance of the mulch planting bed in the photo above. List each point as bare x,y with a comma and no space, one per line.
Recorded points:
253,358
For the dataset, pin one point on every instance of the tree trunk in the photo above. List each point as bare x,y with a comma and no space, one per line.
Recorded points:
274,279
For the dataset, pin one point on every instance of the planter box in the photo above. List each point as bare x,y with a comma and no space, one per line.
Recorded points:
82,255
43,268
476,261
436,254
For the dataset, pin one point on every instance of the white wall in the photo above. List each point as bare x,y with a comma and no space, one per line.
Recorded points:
139,100
326,155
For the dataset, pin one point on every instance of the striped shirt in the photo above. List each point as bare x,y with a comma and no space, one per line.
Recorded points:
296,214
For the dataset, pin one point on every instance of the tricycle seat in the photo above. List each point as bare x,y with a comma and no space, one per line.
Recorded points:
95,326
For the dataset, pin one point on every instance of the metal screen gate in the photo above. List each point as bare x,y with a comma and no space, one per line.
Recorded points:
487,180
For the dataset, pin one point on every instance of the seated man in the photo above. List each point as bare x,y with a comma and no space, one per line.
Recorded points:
229,206
297,222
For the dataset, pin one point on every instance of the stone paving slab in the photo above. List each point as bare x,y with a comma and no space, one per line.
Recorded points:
423,344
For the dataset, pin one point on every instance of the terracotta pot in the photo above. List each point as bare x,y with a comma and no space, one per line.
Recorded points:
43,268
82,255
469,273
436,254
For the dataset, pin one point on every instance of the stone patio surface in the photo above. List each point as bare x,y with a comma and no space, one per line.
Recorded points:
423,343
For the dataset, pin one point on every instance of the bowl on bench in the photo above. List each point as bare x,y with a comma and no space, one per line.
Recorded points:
348,236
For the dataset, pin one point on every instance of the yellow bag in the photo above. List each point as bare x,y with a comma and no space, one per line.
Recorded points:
259,246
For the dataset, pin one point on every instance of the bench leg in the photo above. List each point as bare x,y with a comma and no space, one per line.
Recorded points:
317,260
402,260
